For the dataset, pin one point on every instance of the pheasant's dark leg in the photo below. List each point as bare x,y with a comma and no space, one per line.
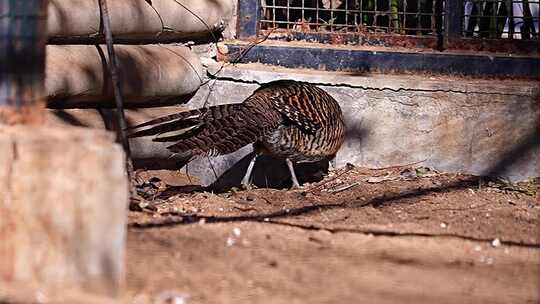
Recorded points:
246,181
295,183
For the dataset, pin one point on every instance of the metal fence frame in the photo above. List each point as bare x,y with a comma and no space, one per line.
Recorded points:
449,32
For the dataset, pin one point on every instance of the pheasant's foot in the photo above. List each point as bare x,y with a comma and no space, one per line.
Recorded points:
246,186
296,187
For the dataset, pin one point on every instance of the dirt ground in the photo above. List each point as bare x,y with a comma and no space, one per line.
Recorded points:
397,235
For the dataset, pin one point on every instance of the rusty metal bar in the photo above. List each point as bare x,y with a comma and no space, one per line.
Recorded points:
22,59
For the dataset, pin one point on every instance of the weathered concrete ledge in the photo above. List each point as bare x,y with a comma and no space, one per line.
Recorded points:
63,209
77,75
370,59
260,73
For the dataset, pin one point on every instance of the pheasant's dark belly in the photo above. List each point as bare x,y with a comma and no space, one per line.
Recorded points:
289,142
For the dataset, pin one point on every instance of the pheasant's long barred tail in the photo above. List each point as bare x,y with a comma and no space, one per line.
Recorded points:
294,121
209,131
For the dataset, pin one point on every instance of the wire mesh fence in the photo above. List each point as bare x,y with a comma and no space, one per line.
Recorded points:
515,19
413,17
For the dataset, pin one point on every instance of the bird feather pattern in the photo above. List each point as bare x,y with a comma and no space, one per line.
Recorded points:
289,119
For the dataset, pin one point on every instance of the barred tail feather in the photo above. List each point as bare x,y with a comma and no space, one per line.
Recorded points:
216,130
166,124
221,136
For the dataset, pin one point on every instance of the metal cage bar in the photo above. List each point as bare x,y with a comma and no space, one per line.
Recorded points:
495,19
499,19
346,16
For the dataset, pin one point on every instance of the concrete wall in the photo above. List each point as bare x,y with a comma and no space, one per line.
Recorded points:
451,124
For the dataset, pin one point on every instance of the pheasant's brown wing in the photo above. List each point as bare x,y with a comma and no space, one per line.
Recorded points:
301,104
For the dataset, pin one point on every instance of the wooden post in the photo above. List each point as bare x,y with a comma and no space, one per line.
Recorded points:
22,60
63,207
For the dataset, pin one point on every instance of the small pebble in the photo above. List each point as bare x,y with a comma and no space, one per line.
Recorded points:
41,297
477,248
236,231
266,219
496,243
171,297
230,241
444,225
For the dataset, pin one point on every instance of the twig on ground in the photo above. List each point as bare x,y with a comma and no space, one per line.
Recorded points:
330,180
347,187
397,166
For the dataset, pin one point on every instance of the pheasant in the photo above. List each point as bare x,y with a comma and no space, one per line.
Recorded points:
289,120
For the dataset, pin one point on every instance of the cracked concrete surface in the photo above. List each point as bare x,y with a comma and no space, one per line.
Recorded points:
478,126
259,73
451,124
